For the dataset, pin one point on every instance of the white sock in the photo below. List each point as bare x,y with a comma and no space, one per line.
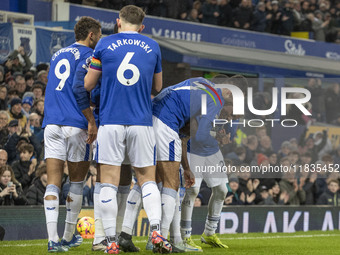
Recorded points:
73,206
214,208
52,212
152,204
122,195
168,209
99,234
133,206
108,208
186,211
175,229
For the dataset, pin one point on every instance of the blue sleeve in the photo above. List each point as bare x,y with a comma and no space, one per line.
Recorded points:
203,133
158,67
95,94
81,95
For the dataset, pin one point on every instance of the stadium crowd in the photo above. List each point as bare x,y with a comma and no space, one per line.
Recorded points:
23,176
321,17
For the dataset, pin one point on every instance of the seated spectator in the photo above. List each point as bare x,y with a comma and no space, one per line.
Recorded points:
285,149
10,82
34,120
35,193
4,132
332,195
15,112
10,189
3,158
234,193
24,169
289,184
3,98
226,14
278,197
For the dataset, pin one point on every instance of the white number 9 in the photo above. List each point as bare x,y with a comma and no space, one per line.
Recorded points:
62,76
125,65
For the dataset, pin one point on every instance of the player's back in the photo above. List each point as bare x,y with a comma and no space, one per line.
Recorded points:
177,104
128,62
60,104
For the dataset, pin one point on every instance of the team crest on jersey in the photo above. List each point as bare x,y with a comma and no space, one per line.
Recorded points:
5,48
25,42
57,42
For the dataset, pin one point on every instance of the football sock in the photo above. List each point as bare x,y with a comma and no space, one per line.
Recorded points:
108,208
152,204
214,208
186,211
99,234
73,206
51,208
168,209
133,206
175,230
122,195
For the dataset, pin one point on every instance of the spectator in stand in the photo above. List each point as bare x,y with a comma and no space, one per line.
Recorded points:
12,93
20,85
289,184
317,99
184,7
293,157
298,16
39,108
10,189
35,193
42,77
260,18
193,16
3,157
332,195
265,146
273,158
318,27
243,15
226,14
234,193
287,18
322,144
27,104
35,126
13,64
332,98
260,132
2,74
238,156
198,201
15,112
29,78
307,181
4,133
10,82
24,169
278,197
211,12
251,147
3,98
38,90
198,6
285,149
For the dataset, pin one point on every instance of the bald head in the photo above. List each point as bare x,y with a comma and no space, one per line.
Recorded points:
3,157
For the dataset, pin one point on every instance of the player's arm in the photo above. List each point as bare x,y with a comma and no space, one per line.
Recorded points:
188,175
91,79
157,81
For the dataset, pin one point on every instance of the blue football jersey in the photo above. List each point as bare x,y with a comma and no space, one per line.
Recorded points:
61,107
177,104
128,61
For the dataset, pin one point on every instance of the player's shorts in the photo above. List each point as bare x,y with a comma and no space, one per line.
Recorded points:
138,141
169,145
210,168
95,155
66,143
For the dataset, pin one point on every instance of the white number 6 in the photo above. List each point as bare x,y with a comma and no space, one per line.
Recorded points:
62,76
125,65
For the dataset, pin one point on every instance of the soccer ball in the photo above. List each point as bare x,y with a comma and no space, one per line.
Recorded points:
85,226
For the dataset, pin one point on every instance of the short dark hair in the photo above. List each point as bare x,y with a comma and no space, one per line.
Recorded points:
37,86
26,147
132,14
84,26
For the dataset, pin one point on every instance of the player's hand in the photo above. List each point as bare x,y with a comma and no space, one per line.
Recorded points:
91,132
189,178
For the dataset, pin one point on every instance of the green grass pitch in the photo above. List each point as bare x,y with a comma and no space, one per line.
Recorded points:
312,242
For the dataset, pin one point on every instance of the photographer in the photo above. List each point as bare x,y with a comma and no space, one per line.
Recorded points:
10,189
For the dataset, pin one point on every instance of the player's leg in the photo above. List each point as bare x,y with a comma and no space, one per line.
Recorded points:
217,183
78,156
55,155
123,193
77,174
99,241
111,153
141,147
